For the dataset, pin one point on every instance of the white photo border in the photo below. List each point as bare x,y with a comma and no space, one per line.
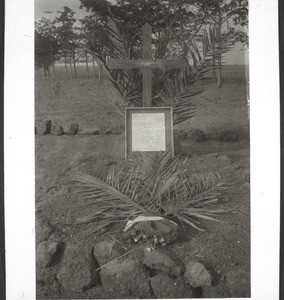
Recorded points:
20,154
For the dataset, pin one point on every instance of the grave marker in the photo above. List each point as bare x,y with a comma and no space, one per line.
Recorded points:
146,64
148,129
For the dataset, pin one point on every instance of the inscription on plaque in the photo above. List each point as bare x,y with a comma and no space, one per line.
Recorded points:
148,130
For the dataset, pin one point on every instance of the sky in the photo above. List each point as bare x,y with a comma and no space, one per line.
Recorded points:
41,6
236,56
55,5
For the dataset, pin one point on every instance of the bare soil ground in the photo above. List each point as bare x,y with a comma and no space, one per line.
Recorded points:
221,247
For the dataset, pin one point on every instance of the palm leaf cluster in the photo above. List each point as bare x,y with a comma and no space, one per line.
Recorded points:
157,183
120,40
124,38
170,87
182,94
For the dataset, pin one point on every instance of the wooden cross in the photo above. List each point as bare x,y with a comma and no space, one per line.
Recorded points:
146,64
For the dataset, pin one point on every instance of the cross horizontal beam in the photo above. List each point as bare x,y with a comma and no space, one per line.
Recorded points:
146,64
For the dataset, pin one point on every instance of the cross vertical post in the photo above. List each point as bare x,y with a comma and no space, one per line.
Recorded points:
146,64
147,73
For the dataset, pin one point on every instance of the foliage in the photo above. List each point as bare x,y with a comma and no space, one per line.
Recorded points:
170,88
188,14
117,41
66,35
65,28
176,25
46,44
182,94
150,183
226,11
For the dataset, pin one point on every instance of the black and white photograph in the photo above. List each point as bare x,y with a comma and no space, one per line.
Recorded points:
144,162
142,149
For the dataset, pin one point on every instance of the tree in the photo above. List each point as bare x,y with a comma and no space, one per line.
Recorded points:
46,45
173,23
157,13
93,31
220,13
67,37
189,30
83,51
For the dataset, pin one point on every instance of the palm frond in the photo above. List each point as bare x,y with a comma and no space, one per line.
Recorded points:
157,183
170,87
182,96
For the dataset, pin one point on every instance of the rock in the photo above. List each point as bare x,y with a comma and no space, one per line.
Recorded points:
197,275
238,282
90,131
165,287
77,271
46,252
215,291
47,126
43,228
45,283
56,130
106,251
229,136
125,278
177,145
46,275
107,130
195,135
159,261
213,136
42,127
74,128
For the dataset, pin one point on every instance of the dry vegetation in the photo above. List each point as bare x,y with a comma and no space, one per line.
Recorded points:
220,247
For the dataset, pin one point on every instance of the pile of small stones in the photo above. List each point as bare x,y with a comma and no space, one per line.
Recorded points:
198,135
118,274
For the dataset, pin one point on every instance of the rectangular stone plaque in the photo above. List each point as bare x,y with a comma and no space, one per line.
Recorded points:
148,130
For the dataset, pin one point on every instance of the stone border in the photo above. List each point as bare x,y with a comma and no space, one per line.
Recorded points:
192,135
75,129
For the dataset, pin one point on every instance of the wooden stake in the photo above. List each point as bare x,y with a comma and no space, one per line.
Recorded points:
147,73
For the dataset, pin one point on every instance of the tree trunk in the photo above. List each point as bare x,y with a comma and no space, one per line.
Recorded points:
48,72
87,66
44,72
219,70
214,62
66,69
53,70
93,61
74,63
70,64
100,72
